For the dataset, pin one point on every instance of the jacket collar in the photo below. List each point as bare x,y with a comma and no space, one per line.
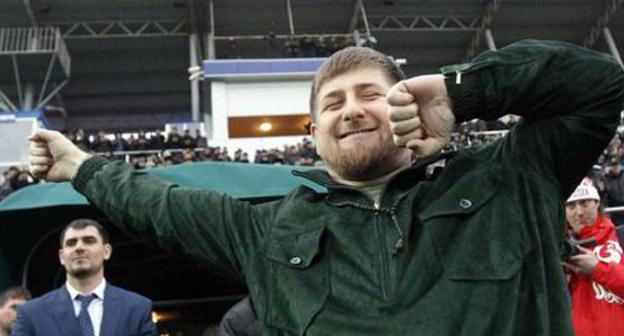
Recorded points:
321,177
112,312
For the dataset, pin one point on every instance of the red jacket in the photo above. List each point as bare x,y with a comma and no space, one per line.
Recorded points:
598,301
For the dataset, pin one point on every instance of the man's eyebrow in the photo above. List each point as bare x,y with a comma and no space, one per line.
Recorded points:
363,86
332,94
360,86
81,238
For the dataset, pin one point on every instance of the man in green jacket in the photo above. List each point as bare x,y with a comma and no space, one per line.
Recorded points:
388,251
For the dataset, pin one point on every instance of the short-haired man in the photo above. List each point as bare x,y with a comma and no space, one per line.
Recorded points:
597,272
10,300
388,251
86,305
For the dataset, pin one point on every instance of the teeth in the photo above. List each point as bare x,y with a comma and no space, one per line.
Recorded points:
358,132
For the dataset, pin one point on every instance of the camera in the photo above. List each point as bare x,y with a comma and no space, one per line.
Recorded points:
569,246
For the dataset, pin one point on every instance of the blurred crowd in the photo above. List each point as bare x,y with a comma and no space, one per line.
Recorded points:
160,148
305,46
170,148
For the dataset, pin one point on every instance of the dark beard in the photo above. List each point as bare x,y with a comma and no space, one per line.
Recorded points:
83,273
364,167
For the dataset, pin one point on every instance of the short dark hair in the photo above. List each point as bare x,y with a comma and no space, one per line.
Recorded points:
349,59
83,223
14,293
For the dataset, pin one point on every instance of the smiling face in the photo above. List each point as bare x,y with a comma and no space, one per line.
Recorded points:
83,252
351,126
581,213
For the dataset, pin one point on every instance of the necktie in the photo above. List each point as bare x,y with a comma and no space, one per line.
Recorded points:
86,327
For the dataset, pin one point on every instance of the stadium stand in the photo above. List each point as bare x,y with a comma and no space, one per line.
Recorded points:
112,74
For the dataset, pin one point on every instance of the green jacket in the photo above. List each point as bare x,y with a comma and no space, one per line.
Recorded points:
480,252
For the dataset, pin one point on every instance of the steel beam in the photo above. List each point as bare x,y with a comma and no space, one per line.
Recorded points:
291,24
409,23
29,97
489,38
6,101
486,21
364,18
603,21
356,13
18,80
210,43
612,47
52,94
357,38
30,13
194,61
281,36
44,86
123,29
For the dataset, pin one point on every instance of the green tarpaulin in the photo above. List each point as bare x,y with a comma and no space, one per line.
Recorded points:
246,181
30,213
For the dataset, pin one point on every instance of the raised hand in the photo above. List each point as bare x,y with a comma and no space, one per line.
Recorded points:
583,263
421,114
53,157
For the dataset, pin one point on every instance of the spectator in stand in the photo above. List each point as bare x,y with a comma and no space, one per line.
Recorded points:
15,179
157,141
597,273
152,161
7,186
23,179
81,139
601,186
238,155
131,142
206,154
187,139
119,143
10,300
245,158
101,143
174,141
141,142
200,141
614,181
188,155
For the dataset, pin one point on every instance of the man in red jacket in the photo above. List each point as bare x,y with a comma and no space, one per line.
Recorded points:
597,273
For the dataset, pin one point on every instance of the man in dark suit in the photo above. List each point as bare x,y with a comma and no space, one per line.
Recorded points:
86,305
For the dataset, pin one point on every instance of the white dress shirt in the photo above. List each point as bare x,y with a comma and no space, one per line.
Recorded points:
96,307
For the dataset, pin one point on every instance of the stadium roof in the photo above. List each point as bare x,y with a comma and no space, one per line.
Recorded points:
130,58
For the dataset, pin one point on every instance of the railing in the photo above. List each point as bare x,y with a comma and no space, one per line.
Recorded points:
18,41
28,40
159,152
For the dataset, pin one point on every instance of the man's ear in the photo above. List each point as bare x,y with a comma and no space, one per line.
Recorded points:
313,129
60,255
108,251
314,133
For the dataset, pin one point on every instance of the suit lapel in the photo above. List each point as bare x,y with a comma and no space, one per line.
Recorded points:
112,311
63,313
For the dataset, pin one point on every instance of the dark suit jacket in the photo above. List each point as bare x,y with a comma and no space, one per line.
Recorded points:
125,314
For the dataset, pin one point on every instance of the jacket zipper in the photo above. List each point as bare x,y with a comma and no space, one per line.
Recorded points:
398,246
384,259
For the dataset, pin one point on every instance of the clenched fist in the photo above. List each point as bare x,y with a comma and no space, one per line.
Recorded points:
53,157
421,116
